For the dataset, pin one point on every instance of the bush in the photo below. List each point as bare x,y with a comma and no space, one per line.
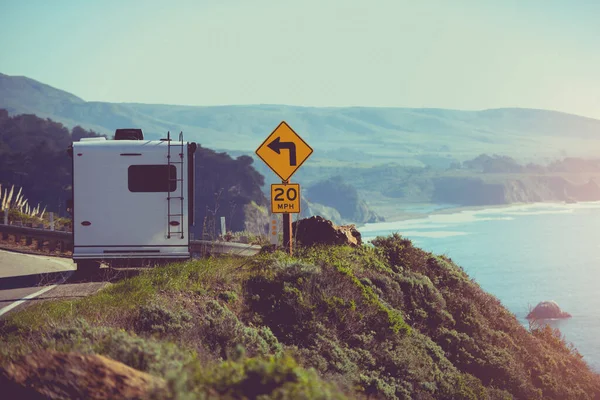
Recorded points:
388,322
221,331
255,378
228,297
156,319
148,355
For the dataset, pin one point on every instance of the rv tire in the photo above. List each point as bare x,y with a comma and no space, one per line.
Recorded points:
88,266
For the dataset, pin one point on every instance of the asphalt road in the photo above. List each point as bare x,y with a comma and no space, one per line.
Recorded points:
24,277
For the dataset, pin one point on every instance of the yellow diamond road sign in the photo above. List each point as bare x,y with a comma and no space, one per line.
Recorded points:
284,151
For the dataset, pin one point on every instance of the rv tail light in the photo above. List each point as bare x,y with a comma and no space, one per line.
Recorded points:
86,223
174,223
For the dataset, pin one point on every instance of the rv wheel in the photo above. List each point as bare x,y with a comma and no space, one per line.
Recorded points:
88,266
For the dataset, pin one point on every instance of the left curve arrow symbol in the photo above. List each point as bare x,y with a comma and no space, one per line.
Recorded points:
277,145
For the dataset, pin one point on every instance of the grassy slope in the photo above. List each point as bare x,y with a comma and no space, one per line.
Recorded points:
394,322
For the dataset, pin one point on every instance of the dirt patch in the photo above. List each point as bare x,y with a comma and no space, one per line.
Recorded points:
54,375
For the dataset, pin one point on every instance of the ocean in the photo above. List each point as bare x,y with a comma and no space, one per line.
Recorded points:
522,254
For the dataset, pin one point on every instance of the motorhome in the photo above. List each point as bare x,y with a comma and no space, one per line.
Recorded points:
133,199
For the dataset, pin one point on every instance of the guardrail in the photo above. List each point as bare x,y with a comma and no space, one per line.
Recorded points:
64,242
54,240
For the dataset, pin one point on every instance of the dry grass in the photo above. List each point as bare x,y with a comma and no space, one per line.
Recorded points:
11,202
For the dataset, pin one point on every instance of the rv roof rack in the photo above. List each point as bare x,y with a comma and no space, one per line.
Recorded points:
129,134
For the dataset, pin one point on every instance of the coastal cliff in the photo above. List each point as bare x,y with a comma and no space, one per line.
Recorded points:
471,191
388,322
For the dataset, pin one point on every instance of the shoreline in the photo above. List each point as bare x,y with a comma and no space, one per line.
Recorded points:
406,216
517,272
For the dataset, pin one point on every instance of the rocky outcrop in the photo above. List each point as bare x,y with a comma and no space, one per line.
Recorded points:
318,230
546,310
54,375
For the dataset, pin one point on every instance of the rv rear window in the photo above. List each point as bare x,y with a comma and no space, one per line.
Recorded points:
152,178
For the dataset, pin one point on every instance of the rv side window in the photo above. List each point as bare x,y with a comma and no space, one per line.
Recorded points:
152,178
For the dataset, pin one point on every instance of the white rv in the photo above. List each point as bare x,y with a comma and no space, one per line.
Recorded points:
132,199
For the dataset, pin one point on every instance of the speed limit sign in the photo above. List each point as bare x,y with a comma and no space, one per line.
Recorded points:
285,198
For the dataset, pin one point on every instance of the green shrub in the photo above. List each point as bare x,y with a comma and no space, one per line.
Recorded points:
221,331
258,378
399,252
228,297
157,319
149,355
389,322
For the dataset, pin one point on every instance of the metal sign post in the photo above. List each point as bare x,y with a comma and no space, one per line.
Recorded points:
284,151
284,197
287,232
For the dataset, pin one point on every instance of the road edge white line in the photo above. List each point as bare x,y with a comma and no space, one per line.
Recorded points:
33,295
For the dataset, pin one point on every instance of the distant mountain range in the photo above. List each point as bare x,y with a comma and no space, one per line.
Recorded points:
346,135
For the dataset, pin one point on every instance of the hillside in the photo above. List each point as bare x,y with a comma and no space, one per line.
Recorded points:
343,197
33,156
391,156
350,135
485,180
389,321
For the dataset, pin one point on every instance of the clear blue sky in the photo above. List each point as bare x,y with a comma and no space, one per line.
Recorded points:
452,54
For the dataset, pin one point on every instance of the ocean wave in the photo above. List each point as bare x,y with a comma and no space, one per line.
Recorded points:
539,212
523,209
422,234
434,221
507,213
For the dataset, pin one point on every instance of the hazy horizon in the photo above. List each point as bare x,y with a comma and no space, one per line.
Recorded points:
391,54
319,107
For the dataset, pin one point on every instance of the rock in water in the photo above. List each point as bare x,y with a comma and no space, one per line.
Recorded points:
547,309
54,375
318,230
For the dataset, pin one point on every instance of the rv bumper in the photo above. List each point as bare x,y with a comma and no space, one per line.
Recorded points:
108,253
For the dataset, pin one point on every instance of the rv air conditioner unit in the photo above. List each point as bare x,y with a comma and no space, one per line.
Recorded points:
129,134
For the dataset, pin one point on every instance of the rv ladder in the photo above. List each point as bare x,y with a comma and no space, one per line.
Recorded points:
172,210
